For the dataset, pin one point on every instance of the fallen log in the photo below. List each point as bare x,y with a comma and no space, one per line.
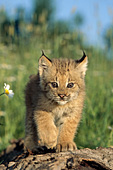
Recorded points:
14,157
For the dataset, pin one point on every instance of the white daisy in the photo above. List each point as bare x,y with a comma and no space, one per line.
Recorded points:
8,92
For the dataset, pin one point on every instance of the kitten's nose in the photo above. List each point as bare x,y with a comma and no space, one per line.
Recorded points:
61,95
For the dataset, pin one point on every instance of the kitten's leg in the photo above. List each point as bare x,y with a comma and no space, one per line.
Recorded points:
66,135
30,141
46,129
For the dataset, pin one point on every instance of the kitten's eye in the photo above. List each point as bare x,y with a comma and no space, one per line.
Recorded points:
70,85
54,85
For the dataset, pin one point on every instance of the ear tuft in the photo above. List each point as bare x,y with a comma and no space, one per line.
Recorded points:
43,53
81,59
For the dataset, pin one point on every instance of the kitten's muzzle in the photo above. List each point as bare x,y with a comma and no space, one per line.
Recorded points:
64,97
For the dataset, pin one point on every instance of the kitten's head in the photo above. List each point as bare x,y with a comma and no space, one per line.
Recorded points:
62,79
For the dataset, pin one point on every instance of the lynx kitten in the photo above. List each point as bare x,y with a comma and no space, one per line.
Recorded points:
54,103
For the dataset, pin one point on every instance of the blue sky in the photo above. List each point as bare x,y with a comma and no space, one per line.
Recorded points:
98,14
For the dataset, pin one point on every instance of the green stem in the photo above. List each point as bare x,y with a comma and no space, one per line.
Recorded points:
2,94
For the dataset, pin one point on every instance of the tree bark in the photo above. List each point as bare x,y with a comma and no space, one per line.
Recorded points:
15,158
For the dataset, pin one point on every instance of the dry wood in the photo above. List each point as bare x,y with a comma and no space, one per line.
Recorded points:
15,158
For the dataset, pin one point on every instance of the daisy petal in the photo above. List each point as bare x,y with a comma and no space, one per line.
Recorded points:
8,92
10,95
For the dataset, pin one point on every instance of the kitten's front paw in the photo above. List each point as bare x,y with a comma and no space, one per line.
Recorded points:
66,146
49,138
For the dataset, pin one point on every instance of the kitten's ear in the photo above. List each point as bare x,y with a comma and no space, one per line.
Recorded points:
44,63
82,64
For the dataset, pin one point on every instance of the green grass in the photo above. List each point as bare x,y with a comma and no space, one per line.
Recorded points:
17,62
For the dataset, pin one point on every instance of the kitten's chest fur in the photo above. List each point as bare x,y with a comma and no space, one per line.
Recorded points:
60,114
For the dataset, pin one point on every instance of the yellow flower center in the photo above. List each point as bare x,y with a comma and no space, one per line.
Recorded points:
6,91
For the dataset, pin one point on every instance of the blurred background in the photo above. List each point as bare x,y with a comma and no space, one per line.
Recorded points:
62,29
